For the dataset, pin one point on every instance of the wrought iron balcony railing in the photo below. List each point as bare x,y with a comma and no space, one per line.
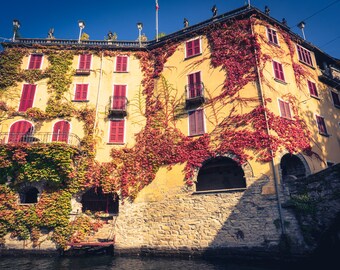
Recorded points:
117,107
194,94
39,137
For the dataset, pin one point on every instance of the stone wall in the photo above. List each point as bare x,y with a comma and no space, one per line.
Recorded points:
185,222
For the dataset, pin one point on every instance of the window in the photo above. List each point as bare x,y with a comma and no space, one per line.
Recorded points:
219,174
119,97
81,92
312,89
285,109
278,71
61,131
321,125
117,131
196,123
195,85
96,200
272,36
29,195
20,131
304,55
27,97
121,63
35,61
336,99
85,61
192,47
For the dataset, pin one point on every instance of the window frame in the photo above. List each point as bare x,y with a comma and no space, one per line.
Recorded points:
303,55
113,94
187,56
79,61
197,133
31,130
201,86
336,105
116,63
281,72
30,59
318,116
21,102
285,104
309,83
110,129
87,93
68,132
271,35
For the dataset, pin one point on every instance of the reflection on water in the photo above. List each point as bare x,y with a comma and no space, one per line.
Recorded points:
131,263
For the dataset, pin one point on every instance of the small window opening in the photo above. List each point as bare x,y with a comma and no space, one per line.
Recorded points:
29,196
291,165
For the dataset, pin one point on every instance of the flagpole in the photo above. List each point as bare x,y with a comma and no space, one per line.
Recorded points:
157,7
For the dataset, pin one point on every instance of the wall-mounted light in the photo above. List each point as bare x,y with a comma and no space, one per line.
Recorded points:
140,27
81,25
16,26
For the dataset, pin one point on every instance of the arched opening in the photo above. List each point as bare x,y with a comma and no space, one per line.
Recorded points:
220,173
95,200
291,165
29,195
61,131
21,131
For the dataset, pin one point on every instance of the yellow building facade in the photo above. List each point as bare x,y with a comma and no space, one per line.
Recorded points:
185,143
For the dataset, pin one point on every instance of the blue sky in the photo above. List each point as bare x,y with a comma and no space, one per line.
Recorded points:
101,16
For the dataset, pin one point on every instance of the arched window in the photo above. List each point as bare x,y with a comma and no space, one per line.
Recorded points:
220,173
29,195
95,200
292,165
20,131
61,131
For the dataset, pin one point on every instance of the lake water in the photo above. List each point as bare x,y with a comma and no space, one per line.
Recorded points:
134,263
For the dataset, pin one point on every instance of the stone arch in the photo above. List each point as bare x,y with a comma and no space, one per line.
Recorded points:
293,166
95,200
222,173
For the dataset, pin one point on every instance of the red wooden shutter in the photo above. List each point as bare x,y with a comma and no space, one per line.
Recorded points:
27,97
119,97
20,131
278,71
81,92
121,63
285,109
196,122
195,89
189,48
35,61
61,131
312,89
117,131
197,47
85,61
321,124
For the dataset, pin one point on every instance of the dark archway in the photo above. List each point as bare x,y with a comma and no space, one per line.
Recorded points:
291,165
95,200
220,173
29,195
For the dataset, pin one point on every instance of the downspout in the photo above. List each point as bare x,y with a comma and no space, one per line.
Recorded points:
283,229
98,91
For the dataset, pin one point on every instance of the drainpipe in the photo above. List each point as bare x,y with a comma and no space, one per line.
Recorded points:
272,162
98,91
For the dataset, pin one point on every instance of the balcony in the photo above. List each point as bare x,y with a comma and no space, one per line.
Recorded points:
83,72
194,95
117,107
40,137
330,76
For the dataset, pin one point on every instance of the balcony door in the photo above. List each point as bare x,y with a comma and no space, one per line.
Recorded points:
61,131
